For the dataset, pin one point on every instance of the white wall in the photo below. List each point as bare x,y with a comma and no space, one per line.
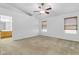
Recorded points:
23,25
56,27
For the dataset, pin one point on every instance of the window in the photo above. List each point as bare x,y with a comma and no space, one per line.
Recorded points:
44,26
7,20
70,25
5,27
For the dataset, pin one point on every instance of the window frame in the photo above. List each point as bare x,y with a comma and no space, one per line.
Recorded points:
71,25
44,26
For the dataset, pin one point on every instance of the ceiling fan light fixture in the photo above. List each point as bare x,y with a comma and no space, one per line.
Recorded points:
42,11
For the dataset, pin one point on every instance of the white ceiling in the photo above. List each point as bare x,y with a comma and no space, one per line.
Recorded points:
28,8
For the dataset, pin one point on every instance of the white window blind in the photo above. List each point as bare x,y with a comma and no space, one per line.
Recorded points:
70,25
44,26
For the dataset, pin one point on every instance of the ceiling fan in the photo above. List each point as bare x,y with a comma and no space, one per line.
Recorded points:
43,9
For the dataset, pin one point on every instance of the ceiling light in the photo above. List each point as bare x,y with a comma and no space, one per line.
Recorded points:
44,8
42,11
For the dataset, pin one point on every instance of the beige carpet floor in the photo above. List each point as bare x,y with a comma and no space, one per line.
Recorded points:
39,45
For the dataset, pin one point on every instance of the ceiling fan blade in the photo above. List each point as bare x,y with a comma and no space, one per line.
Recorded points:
47,12
48,8
36,11
39,7
42,4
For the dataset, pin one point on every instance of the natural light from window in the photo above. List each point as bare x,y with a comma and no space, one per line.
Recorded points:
71,31
44,26
70,25
44,30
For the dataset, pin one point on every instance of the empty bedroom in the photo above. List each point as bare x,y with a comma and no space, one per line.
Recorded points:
39,29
